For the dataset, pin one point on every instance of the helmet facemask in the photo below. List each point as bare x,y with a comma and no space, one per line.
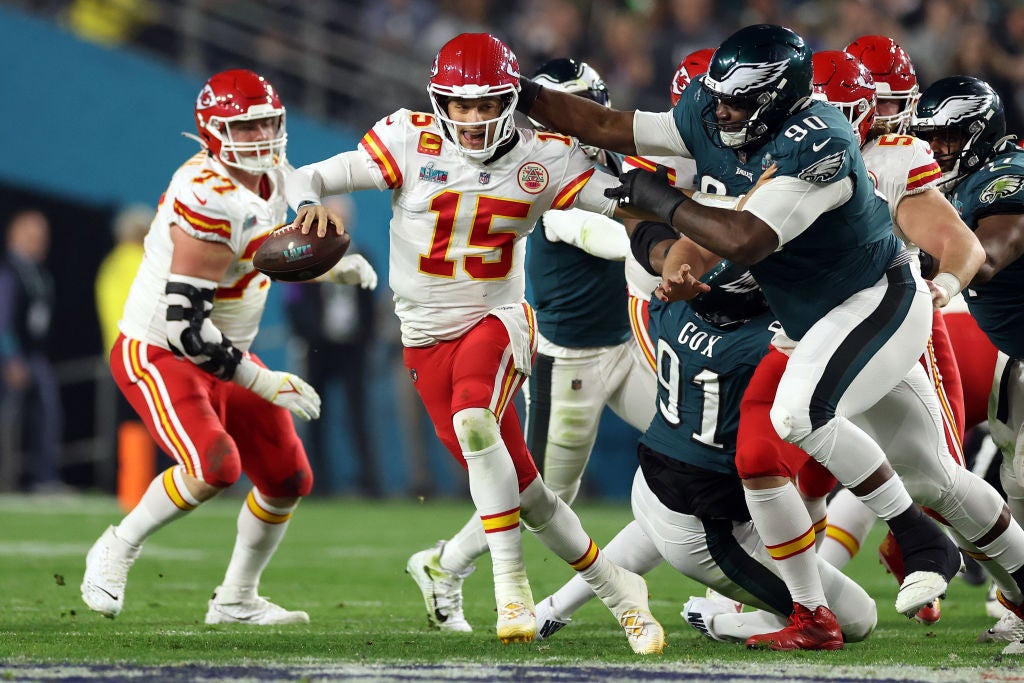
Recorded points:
963,159
497,131
738,134
255,156
899,122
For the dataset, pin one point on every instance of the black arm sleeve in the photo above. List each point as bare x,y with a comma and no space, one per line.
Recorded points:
645,236
929,265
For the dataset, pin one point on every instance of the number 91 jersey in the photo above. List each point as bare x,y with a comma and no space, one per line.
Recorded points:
703,371
458,227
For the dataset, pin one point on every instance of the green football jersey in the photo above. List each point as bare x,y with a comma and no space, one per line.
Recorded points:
845,250
998,305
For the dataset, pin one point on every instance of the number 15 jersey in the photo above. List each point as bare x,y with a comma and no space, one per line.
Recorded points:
458,226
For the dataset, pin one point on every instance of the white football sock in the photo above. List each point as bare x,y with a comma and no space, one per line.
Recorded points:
785,529
849,523
261,527
166,499
464,547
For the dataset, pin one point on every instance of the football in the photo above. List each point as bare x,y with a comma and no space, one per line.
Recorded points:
290,256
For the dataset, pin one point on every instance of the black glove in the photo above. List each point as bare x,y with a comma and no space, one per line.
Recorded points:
648,191
528,91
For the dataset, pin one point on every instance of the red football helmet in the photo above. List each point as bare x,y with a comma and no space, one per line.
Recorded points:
691,66
229,98
895,78
470,66
842,81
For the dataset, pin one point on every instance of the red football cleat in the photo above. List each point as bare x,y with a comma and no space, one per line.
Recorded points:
807,630
891,557
929,614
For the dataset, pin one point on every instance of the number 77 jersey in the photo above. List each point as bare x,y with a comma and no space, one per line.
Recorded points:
458,227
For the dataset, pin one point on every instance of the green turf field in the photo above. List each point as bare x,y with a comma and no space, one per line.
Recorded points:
343,562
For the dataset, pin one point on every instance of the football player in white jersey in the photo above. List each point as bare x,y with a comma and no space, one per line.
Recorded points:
467,187
182,357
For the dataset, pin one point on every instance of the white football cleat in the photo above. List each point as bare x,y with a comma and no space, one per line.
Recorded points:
699,612
1008,629
441,589
517,621
919,589
628,601
993,607
548,623
106,573
231,606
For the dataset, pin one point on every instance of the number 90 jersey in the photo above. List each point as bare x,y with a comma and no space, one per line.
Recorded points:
458,227
204,201
845,249
703,371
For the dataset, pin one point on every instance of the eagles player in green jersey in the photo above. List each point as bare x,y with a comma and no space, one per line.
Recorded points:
818,240
962,118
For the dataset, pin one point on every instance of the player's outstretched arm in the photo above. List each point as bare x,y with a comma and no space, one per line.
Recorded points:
739,236
590,122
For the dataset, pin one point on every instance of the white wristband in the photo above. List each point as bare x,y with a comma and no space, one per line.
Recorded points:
950,283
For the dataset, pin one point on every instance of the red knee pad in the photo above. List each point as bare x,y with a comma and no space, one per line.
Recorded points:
814,481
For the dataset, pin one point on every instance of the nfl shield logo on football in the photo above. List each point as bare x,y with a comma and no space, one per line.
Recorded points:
577,384
484,178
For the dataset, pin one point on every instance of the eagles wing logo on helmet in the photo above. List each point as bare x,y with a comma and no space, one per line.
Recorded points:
824,169
959,107
1001,187
744,78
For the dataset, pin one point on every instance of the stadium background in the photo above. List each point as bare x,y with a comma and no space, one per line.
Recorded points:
97,93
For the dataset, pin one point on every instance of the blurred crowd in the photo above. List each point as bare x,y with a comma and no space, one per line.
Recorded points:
634,44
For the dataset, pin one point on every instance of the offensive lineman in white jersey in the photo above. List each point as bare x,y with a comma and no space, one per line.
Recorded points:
467,187
221,412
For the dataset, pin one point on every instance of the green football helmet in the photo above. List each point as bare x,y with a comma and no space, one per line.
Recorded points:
765,70
963,117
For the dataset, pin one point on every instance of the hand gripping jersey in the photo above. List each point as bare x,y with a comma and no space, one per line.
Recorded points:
681,174
998,305
206,203
900,166
458,228
844,250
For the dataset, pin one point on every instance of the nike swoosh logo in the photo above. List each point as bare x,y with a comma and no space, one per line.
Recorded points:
112,596
817,146
388,121
438,614
203,201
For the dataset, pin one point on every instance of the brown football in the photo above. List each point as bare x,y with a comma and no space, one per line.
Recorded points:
289,255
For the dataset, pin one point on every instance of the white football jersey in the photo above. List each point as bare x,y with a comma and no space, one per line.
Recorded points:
901,166
682,173
206,203
458,227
